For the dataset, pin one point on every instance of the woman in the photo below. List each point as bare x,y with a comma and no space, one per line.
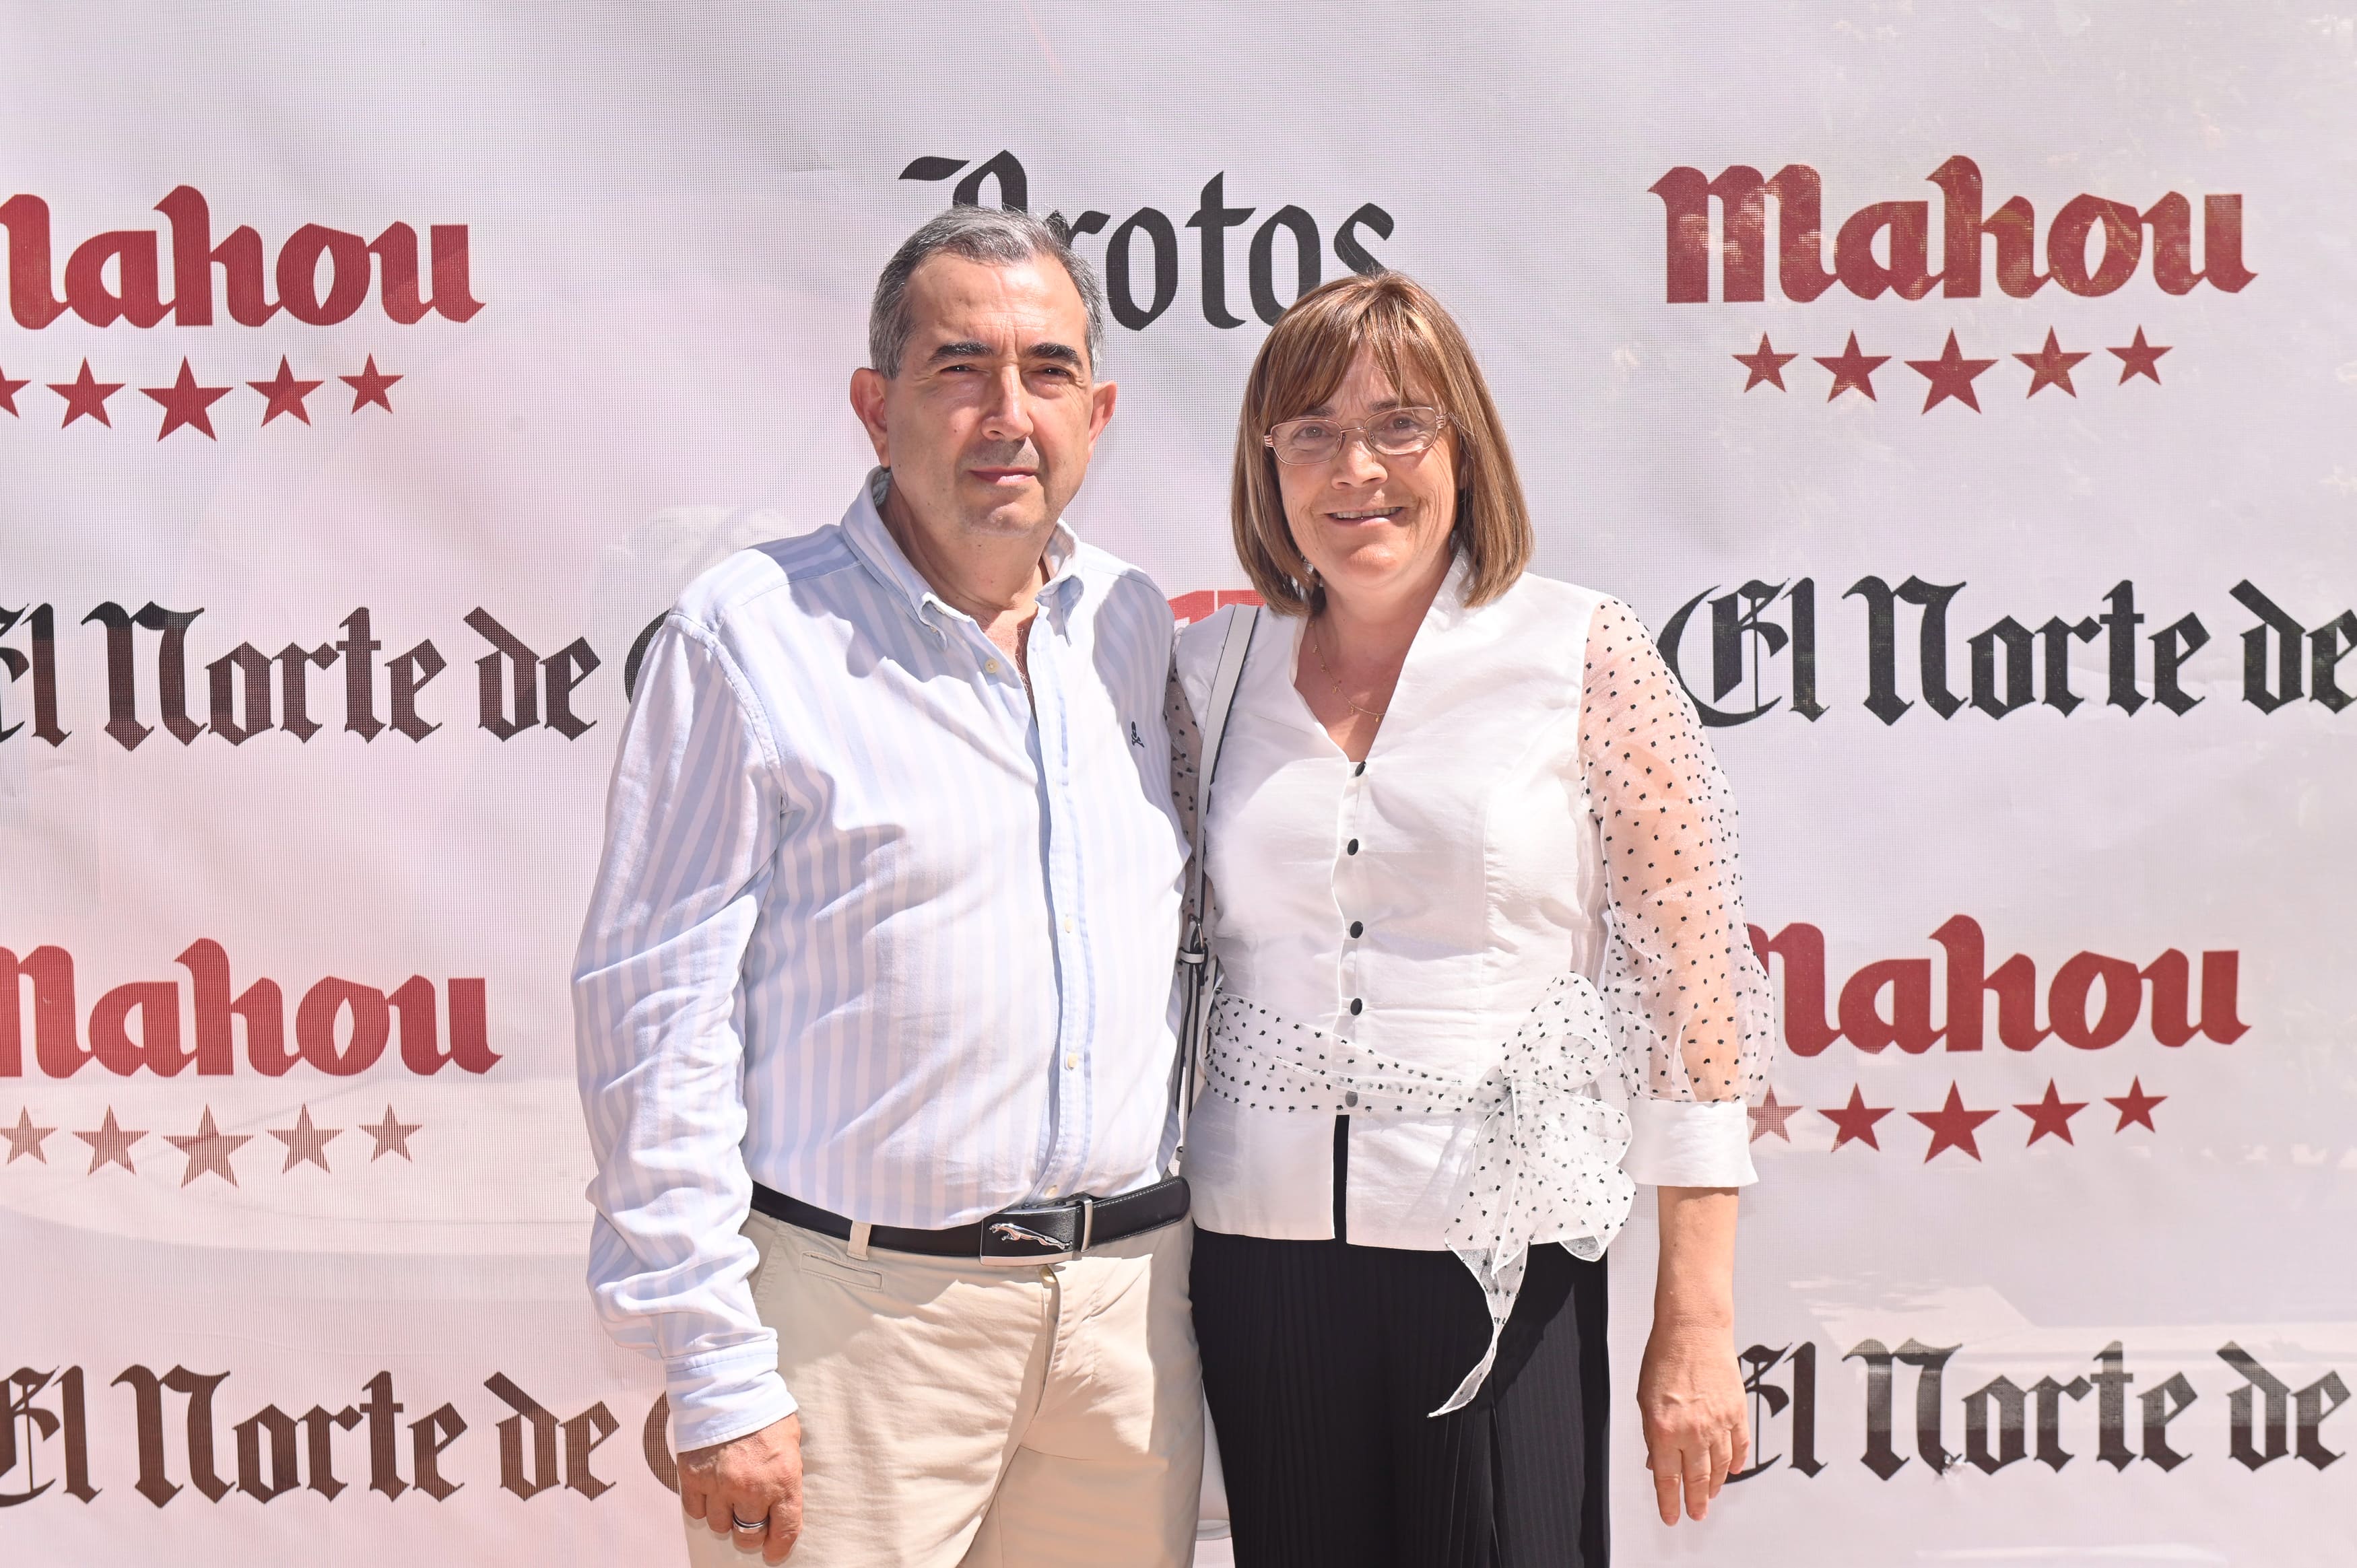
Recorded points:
1471,860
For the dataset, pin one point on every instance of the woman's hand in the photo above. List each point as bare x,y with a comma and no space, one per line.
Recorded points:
1696,1422
1698,1425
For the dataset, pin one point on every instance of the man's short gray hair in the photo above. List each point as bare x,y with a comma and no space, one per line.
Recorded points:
984,234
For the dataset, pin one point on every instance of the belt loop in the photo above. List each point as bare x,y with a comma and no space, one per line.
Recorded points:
1088,1223
859,1231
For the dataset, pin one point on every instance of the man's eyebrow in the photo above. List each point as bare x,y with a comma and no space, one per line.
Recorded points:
968,349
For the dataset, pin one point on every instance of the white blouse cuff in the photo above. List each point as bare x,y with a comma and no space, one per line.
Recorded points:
1684,1143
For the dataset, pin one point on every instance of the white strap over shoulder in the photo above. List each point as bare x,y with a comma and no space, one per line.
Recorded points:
1195,950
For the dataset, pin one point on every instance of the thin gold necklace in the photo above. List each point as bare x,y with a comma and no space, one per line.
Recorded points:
1330,680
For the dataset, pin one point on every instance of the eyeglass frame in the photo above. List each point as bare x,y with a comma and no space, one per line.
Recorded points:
1440,422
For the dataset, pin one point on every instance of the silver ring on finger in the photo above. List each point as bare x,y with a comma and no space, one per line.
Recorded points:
748,1526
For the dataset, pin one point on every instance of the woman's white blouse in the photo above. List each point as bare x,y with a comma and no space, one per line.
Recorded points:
1539,807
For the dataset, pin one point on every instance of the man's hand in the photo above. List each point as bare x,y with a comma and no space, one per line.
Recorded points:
756,1479
1690,1396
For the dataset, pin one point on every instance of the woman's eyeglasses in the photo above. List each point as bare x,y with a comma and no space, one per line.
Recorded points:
1393,432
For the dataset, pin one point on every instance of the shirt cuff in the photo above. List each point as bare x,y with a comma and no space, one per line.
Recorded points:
1686,1143
720,1397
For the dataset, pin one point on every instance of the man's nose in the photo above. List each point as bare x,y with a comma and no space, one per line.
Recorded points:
1007,416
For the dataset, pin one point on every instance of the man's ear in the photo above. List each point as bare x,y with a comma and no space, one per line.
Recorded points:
867,388
1101,397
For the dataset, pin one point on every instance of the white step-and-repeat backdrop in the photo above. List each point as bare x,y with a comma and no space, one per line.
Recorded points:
1967,395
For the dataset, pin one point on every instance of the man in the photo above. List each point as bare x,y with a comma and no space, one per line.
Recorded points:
875,998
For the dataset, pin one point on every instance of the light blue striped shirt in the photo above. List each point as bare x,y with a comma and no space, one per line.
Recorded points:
873,927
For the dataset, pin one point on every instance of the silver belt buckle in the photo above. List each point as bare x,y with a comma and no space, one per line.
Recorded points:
1007,1237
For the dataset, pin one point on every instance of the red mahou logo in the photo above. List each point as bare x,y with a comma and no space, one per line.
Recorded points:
118,276
1901,231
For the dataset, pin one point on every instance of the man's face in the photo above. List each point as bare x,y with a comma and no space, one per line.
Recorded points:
988,424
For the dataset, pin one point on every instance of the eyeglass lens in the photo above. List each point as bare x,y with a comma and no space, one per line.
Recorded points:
1393,432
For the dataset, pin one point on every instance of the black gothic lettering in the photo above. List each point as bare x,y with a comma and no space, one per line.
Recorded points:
1261,266
1215,219
2048,1395
2173,645
526,1483
428,1436
408,673
383,1413
561,671
2164,1403
2326,647
2286,634
360,676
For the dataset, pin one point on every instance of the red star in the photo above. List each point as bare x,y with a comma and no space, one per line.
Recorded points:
8,390
110,1145
1768,1116
2139,359
2051,367
286,394
1852,368
305,1143
1951,376
1856,1121
392,1136
2135,1106
25,1138
84,395
369,387
185,402
209,1148
1952,1125
2051,1115
1766,365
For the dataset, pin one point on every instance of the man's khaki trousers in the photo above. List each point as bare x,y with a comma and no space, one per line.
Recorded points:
989,1416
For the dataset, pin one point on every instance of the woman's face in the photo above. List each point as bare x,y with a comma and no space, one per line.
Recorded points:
1375,528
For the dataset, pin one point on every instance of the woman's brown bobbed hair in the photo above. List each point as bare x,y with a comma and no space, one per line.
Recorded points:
1418,345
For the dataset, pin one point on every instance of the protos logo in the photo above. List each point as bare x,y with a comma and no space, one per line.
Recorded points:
1141,252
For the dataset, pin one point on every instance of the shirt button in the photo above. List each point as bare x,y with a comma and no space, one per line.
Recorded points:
1067,924
1358,929
1356,1006
1362,768
1071,1061
991,666
1051,1192
1350,848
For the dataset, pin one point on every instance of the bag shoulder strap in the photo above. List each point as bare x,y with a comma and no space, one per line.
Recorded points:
1195,949
1225,677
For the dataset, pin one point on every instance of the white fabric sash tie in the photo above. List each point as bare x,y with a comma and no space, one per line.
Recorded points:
1546,1157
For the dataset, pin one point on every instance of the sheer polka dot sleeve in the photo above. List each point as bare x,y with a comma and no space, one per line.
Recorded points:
1691,1008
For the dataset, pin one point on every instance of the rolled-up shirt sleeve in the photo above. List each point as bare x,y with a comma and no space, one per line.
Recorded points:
1690,1007
693,823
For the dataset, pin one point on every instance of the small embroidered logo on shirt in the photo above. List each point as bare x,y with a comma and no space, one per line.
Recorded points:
1136,739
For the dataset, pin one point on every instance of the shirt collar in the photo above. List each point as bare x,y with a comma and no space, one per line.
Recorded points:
864,530
1448,607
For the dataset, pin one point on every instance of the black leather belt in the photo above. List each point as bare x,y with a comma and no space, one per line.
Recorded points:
1032,1231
